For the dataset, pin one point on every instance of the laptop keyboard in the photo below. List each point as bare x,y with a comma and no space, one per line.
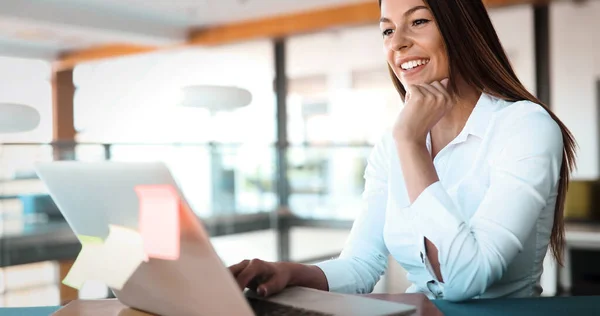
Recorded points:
266,308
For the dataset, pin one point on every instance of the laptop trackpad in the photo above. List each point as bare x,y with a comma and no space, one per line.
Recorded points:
338,304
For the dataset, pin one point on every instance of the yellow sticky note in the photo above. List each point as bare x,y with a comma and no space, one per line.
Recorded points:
123,253
78,273
89,240
112,262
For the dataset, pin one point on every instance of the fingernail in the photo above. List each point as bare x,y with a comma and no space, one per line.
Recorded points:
261,291
445,82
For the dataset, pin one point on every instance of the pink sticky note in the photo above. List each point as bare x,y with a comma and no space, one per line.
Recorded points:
159,220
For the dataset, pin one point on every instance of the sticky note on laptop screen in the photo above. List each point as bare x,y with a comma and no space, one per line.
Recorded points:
111,262
123,253
85,263
159,220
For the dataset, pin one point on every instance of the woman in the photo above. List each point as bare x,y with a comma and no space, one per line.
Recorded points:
467,192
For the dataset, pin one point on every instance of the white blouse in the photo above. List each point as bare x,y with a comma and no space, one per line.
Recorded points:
490,215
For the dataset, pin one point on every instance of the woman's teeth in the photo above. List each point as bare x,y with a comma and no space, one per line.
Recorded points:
414,63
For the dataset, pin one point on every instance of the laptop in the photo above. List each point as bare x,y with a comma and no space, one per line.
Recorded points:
93,195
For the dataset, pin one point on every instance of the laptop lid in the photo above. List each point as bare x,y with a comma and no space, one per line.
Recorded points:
92,195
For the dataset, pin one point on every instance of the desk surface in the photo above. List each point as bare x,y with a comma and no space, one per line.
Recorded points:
543,306
112,307
580,305
546,306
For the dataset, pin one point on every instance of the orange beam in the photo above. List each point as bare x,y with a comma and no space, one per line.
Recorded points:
70,59
272,27
290,24
306,22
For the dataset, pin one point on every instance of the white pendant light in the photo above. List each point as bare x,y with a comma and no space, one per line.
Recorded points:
215,98
16,118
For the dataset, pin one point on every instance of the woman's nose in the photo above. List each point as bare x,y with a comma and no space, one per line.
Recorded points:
400,41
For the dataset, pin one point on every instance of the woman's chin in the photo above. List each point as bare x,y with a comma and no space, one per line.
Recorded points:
419,81
413,82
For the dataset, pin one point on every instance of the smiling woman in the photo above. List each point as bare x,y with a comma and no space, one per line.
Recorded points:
467,191
461,29
428,53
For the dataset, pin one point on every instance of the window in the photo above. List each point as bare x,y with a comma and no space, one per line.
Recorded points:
224,162
340,103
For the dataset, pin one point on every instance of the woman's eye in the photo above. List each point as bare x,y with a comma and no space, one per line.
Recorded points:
387,32
420,22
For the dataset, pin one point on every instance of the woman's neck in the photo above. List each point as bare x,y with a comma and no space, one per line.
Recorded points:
454,121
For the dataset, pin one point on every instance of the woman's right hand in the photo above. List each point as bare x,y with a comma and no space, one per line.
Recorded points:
265,278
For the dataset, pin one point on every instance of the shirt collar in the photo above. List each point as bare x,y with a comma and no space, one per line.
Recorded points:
477,123
479,120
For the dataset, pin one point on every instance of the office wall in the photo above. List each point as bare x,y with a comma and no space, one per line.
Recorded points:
575,46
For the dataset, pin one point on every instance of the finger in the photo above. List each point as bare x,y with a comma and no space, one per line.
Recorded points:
444,82
429,91
441,89
412,91
440,92
238,267
255,269
271,286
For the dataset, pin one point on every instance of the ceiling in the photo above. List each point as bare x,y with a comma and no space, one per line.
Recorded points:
211,12
45,28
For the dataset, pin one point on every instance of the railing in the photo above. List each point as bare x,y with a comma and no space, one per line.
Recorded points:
325,180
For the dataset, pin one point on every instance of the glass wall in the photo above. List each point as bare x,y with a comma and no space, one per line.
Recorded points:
224,161
24,81
139,96
340,103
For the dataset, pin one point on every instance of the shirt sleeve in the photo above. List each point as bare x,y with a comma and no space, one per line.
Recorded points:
474,254
364,258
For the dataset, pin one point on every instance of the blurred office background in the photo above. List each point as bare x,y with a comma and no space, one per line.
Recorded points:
281,178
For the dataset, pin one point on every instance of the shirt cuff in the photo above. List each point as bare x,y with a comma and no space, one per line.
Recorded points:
433,218
337,276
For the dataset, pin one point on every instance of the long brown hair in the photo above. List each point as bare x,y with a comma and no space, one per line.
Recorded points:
468,31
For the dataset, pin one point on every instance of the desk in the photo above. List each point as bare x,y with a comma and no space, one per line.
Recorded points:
547,306
112,307
543,306
28,311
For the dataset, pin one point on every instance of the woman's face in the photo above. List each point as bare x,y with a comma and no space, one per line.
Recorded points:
412,42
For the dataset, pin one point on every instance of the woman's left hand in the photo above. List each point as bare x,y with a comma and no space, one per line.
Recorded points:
425,105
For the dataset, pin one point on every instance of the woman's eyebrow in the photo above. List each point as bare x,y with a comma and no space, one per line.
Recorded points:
406,14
